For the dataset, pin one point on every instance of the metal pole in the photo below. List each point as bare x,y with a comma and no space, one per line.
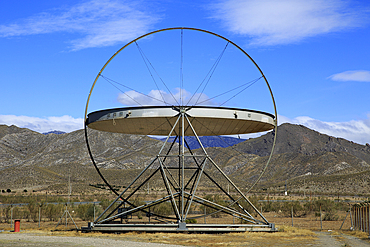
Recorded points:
345,219
320,218
363,218
355,218
368,219
292,216
205,213
350,215
39,214
11,216
183,164
66,216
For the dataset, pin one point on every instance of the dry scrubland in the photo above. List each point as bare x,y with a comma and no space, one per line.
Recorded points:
306,232
306,220
287,236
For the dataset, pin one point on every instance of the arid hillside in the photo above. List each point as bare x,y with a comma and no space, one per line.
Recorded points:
304,159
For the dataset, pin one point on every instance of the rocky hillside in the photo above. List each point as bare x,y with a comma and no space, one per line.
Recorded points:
305,158
302,153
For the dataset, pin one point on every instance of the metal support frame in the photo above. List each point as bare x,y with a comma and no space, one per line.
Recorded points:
66,214
181,193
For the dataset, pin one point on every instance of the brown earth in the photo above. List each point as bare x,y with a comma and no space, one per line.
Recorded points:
306,232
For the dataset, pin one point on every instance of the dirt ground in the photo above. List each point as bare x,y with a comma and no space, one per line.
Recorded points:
306,231
289,237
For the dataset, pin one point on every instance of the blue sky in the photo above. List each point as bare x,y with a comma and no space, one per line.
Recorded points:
315,55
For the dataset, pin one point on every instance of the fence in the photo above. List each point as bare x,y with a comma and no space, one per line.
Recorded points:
361,216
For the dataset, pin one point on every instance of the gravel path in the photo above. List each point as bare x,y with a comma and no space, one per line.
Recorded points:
29,239
327,239
333,240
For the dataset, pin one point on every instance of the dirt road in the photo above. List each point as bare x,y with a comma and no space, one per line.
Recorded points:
338,239
323,238
30,239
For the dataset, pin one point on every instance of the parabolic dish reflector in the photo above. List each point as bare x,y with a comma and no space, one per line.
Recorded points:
159,120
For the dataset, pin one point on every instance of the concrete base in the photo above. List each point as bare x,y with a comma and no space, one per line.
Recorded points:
181,227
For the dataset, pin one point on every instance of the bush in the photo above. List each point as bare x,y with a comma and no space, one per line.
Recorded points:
163,209
298,209
86,212
330,216
53,212
33,209
191,221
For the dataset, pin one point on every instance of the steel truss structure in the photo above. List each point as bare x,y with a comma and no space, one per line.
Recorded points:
183,172
181,181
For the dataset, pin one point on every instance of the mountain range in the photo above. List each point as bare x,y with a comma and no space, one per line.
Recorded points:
303,158
207,141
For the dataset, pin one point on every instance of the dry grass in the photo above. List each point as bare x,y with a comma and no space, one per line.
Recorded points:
289,236
301,234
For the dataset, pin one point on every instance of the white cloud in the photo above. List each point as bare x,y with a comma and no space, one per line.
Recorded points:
42,125
159,97
99,22
355,130
352,75
271,22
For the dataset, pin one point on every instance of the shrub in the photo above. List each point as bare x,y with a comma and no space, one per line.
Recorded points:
191,221
330,216
298,209
86,212
53,212
33,209
163,209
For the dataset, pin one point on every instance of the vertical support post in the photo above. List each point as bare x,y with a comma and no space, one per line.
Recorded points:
368,219
149,215
365,219
356,218
66,215
320,218
183,163
292,216
350,215
361,219
11,216
360,214
345,219
39,214
205,213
